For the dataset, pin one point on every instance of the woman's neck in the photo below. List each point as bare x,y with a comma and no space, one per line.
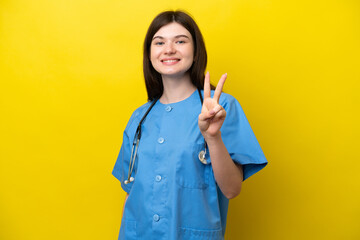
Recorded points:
176,89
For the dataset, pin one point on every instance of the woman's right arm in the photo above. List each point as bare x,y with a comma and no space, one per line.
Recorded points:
126,197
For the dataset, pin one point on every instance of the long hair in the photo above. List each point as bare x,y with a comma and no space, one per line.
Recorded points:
153,80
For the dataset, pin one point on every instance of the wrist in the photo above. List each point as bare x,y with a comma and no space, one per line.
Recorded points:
213,139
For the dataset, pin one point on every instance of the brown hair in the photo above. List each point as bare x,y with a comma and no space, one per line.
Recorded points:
153,80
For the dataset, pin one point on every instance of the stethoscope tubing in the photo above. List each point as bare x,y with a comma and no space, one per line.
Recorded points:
137,137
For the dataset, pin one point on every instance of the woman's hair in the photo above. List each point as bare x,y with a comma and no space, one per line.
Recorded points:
153,80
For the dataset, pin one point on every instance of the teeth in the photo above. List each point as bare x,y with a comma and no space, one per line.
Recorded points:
170,60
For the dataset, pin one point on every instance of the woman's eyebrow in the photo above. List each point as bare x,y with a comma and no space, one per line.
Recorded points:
177,36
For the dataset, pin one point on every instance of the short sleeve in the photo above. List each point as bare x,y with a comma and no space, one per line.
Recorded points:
239,139
121,168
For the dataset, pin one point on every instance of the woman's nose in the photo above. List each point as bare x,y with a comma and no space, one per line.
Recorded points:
170,48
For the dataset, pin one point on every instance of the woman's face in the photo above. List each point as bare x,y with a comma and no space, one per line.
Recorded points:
172,50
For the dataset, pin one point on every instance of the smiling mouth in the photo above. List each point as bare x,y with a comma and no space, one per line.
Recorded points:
170,60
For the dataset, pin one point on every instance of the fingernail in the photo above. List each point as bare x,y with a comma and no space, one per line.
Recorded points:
212,112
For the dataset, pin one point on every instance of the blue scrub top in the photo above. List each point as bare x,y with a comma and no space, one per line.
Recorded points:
174,195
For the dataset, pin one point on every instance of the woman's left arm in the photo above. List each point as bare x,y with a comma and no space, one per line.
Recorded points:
228,175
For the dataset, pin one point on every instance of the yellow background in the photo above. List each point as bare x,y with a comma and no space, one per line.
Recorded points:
71,75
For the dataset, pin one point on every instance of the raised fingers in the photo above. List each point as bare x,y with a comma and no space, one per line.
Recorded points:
219,87
207,89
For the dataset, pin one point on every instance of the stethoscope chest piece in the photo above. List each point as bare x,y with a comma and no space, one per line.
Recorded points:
202,158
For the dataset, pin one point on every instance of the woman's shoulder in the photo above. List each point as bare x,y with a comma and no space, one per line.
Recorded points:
231,105
226,97
226,100
137,114
141,109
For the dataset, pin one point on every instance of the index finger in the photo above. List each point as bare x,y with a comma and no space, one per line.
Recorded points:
219,87
207,90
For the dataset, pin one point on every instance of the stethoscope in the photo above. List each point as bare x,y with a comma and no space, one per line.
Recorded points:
137,137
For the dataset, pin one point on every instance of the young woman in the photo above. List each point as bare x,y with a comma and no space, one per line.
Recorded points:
185,152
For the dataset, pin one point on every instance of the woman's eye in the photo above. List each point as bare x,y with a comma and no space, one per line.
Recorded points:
159,43
180,41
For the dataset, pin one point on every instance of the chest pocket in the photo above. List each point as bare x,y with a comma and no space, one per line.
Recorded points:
190,172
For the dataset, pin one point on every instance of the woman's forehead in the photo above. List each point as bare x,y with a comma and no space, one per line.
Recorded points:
172,30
